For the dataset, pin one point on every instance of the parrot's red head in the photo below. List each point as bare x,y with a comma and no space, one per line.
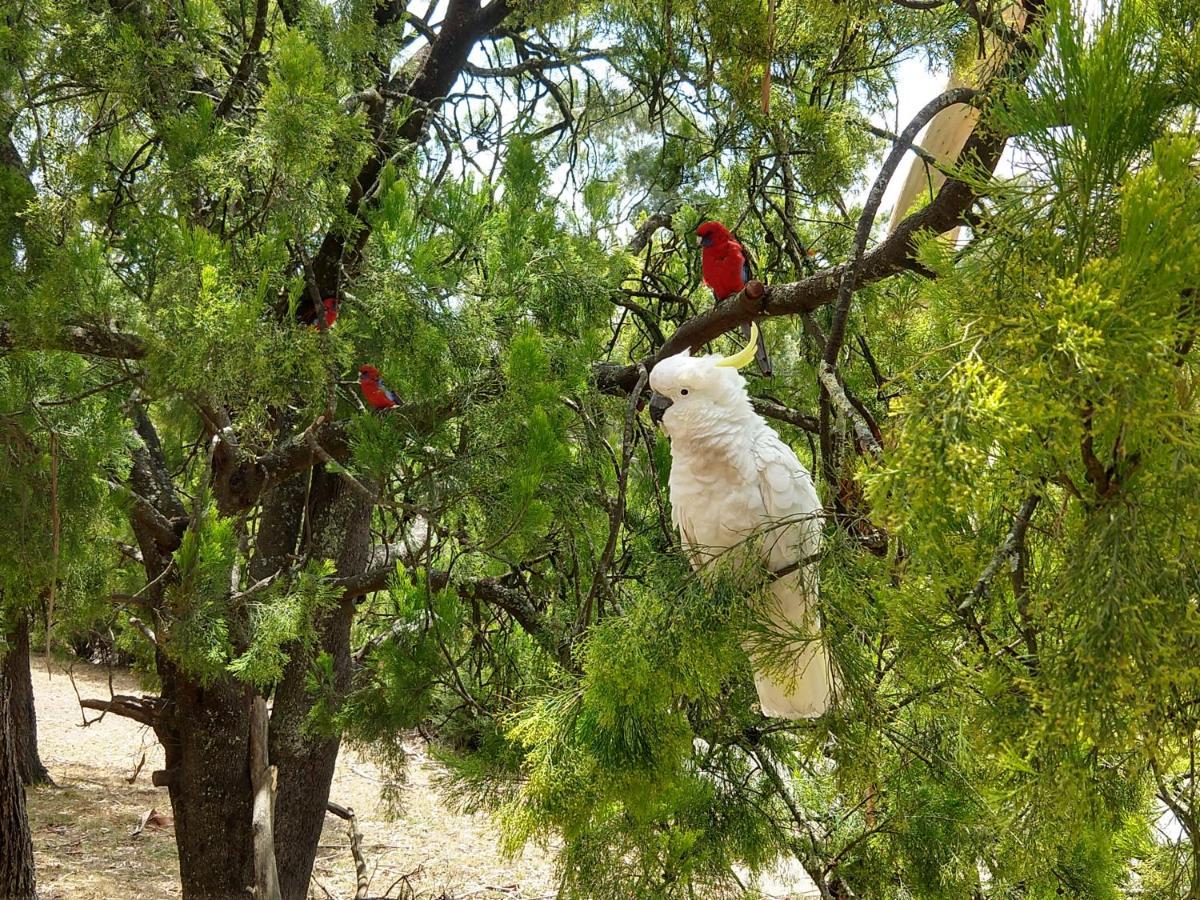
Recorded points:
713,233
368,373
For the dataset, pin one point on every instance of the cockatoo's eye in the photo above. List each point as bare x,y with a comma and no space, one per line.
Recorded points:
683,392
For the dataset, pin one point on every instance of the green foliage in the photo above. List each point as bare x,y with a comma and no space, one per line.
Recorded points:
1008,736
284,624
612,765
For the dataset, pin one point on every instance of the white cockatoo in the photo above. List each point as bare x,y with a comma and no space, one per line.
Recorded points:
735,484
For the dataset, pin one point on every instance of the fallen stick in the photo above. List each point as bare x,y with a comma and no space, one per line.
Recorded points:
360,863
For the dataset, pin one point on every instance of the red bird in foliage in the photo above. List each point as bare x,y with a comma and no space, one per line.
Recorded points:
377,394
330,305
726,270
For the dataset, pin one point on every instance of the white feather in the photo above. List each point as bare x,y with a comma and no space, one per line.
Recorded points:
733,479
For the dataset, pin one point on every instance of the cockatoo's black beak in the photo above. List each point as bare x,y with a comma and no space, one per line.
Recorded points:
658,405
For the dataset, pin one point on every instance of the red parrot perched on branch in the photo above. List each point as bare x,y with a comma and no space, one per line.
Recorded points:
330,306
726,270
377,394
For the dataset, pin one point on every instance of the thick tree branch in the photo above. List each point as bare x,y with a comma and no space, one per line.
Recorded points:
86,340
808,294
646,230
241,78
147,710
781,413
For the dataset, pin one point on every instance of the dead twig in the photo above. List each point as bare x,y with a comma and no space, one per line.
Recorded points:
617,510
137,769
360,863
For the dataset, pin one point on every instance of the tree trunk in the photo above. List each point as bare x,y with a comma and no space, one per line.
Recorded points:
340,530
204,727
207,744
23,714
16,846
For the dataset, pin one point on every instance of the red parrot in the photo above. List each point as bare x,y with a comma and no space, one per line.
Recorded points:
726,270
330,305
377,394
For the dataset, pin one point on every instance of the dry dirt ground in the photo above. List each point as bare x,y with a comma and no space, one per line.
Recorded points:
82,829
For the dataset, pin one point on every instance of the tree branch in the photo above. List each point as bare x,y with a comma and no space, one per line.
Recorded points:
263,778
241,78
86,340
837,395
147,710
781,413
1006,551
239,480
491,591
837,331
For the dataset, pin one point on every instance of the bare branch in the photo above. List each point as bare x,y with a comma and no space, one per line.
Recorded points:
782,413
646,230
263,778
616,515
837,331
362,883
147,710
1005,552
837,395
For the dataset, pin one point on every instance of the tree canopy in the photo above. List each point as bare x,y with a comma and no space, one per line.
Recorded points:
502,198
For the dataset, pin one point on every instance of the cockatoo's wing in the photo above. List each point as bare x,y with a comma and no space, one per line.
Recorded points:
793,509
795,682
687,533
696,539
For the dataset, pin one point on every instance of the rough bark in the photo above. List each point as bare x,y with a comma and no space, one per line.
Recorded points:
207,746
305,758
204,727
16,845
21,708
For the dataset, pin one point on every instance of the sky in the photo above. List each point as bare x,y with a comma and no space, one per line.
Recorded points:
916,85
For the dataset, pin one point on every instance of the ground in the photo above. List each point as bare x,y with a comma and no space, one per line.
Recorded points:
83,829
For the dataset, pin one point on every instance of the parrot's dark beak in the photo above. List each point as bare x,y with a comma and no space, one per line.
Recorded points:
658,405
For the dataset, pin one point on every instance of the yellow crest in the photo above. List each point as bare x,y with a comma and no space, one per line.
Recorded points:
743,356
